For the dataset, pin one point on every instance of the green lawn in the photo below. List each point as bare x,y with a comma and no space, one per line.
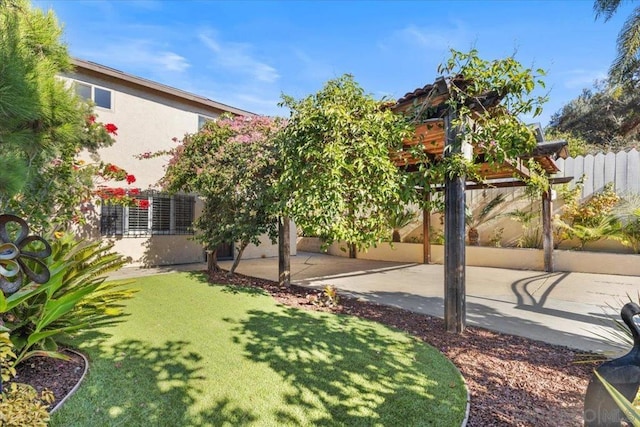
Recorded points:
192,354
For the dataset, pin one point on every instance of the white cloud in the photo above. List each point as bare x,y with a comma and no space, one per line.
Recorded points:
243,96
236,57
425,37
312,68
428,38
172,61
266,106
577,79
136,54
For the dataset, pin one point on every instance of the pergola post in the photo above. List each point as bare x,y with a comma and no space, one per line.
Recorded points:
284,251
426,227
454,251
547,230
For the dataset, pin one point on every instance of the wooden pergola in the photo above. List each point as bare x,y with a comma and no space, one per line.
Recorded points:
438,139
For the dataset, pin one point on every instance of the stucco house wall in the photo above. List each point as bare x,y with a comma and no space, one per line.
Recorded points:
150,117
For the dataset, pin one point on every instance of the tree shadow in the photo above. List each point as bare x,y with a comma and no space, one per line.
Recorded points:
583,335
341,370
171,249
134,383
234,289
501,369
246,290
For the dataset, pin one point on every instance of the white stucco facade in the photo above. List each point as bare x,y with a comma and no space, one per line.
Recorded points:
151,117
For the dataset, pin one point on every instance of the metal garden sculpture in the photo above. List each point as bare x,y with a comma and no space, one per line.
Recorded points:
20,255
623,373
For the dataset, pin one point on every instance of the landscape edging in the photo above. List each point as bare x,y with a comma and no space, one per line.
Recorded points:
75,387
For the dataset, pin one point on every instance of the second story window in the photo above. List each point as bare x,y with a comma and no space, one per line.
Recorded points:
202,120
101,97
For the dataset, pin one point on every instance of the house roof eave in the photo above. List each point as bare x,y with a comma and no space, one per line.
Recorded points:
156,87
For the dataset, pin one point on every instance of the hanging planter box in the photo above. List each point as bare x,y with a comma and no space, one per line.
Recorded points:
430,135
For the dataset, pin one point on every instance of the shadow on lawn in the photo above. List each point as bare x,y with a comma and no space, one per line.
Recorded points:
344,371
202,277
134,383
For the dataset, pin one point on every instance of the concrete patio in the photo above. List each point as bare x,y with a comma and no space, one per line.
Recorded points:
559,308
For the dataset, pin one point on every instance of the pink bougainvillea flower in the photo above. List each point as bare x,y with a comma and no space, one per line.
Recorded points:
131,179
111,128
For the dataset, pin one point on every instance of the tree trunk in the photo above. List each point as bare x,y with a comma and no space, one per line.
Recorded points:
474,237
395,237
352,250
284,252
243,245
212,261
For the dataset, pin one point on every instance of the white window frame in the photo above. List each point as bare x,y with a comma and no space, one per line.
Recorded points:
92,98
148,231
202,119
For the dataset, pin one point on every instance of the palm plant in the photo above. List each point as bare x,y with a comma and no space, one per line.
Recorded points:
627,230
400,219
627,59
485,214
76,298
529,219
602,228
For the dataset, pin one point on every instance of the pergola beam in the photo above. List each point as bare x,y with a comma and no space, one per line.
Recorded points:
547,230
426,230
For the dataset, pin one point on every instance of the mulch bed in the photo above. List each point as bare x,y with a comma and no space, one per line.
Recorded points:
59,376
512,380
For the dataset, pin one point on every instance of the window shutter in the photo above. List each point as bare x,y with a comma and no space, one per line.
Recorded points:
111,219
161,213
184,211
138,218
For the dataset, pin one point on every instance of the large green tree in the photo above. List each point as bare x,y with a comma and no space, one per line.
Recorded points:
43,124
231,163
604,117
625,66
337,179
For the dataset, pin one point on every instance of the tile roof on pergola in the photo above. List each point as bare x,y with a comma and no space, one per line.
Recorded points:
430,101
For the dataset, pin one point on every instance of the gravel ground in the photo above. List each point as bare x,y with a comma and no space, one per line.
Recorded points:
512,380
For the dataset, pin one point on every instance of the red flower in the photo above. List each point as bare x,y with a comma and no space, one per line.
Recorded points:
111,128
113,168
91,119
131,179
143,204
134,192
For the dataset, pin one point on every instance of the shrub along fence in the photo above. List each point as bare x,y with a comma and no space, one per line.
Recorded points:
601,217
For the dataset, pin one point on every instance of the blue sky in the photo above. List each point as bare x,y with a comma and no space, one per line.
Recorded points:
246,54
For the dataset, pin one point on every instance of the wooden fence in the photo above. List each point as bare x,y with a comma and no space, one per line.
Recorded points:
622,169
